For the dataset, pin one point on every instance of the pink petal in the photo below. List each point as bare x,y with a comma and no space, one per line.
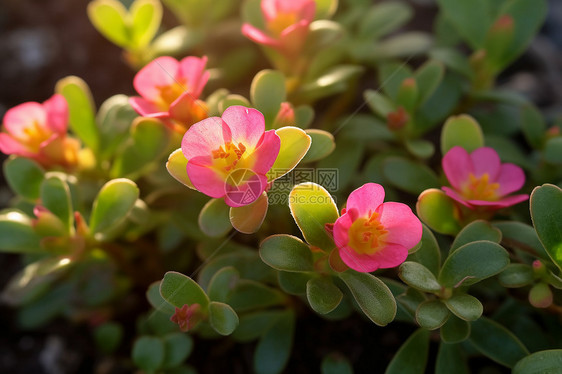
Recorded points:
146,108
57,113
510,178
365,199
247,125
341,230
204,137
305,9
403,227
457,165
308,10
246,193
269,9
266,153
455,196
160,72
187,110
204,178
361,263
259,36
9,145
294,37
503,203
485,160
391,256
18,118
192,69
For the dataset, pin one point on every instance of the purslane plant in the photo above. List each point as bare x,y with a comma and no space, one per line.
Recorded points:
256,242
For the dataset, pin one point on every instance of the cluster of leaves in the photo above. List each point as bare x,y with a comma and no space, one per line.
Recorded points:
118,221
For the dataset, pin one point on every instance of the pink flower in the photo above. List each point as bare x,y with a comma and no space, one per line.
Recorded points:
287,24
187,317
170,90
38,131
481,180
230,156
373,235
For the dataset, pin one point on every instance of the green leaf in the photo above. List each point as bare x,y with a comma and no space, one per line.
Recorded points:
429,254
250,295
145,18
391,75
553,150
24,176
179,289
438,211
420,148
473,262
214,218
476,230
346,158
471,18
149,140
55,196
108,17
453,59
323,34
432,314
177,167
379,103
533,126
462,130
418,276
268,92
323,295
80,106
455,330
274,348
549,361
383,18
312,207
148,353
403,45
223,283
334,81
177,348
496,342
428,78
409,176
325,8
155,299
112,205
546,213
222,317
231,100
516,275
465,307
254,325
520,235
411,358
287,253
336,364
114,119
450,359
321,146
294,145
248,219
372,295
108,336
176,40
17,234
293,283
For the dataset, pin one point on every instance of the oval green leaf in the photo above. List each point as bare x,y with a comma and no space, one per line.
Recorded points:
24,176
411,358
148,353
323,295
223,318
55,196
546,213
465,307
145,18
294,145
461,131
287,253
455,330
214,218
248,219
179,289
108,17
432,314
17,234
418,276
267,92
322,145
410,176
438,211
476,230
549,361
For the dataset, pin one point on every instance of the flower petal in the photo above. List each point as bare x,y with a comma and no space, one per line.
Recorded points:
358,262
9,145
341,230
266,153
160,72
187,111
204,178
245,193
56,109
247,125
403,226
192,69
503,203
294,37
204,137
146,108
455,196
457,165
390,256
365,199
510,178
20,117
259,36
485,160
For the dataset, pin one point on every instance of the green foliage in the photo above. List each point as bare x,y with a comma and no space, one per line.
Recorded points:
546,212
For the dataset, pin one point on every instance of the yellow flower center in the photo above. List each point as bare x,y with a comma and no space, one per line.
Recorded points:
366,235
168,94
36,134
226,157
281,22
480,188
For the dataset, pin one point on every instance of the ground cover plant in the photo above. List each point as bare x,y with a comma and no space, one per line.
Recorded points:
294,186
